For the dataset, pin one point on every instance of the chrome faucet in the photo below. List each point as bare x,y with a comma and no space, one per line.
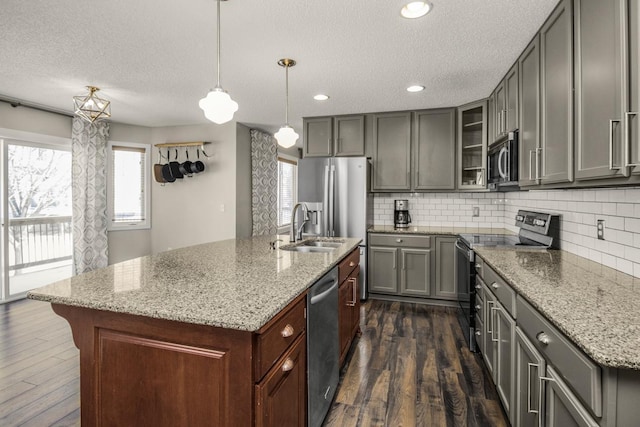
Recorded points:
296,234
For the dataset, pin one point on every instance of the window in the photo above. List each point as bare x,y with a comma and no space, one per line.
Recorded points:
287,172
128,186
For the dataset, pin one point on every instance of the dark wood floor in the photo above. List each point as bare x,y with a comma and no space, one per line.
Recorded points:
410,367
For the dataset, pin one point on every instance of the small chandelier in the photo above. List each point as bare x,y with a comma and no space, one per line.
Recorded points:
286,136
218,105
90,107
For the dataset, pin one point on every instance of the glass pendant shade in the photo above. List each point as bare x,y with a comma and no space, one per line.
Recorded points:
90,107
286,136
218,106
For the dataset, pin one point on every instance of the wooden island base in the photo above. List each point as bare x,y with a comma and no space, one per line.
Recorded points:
136,370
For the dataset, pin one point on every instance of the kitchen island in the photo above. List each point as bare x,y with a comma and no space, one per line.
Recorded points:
207,335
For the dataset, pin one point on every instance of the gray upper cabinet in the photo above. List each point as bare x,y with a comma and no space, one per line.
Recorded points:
472,146
511,99
391,151
529,109
556,79
349,135
334,136
318,137
501,111
491,114
632,143
383,273
434,150
600,87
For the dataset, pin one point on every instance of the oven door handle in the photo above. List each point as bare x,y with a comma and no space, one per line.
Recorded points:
461,249
502,173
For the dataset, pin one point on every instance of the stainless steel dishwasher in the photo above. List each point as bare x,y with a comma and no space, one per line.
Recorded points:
323,350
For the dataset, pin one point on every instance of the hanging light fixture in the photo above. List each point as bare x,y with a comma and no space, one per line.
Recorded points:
286,136
218,105
90,107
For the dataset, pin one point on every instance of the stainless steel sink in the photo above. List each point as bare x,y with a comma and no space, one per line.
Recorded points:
313,245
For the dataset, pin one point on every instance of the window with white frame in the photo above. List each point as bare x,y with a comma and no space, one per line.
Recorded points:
128,185
287,172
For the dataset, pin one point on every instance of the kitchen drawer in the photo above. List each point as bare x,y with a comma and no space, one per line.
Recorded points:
479,304
478,288
499,287
348,264
400,240
278,336
582,374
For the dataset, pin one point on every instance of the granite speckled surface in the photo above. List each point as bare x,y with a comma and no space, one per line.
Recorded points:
237,284
447,231
597,307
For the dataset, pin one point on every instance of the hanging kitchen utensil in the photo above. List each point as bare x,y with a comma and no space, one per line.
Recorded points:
198,165
166,171
175,168
185,167
157,169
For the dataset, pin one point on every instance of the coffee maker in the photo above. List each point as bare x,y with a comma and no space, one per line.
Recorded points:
401,217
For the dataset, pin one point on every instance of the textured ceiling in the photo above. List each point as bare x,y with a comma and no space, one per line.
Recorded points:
155,59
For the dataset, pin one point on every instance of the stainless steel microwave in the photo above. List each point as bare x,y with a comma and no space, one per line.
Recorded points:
502,163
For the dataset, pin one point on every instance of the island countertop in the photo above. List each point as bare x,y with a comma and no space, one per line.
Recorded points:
597,307
237,284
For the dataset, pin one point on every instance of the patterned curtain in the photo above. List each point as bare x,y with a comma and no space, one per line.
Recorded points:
264,183
89,190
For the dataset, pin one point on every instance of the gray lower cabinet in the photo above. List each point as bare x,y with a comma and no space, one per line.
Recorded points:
334,136
529,367
600,86
391,147
434,149
445,280
489,343
556,80
529,110
415,272
383,274
562,408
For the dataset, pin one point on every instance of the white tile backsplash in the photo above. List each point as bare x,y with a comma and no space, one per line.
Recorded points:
579,210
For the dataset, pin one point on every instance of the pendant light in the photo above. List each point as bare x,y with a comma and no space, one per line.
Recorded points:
90,107
286,136
218,105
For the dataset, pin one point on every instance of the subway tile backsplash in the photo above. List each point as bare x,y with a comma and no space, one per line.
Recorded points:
579,210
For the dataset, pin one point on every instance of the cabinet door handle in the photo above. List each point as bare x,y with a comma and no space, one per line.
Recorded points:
627,144
288,365
530,410
490,322
352,264
355,291
353,282
530,165
493,327
404,261
611,167
541,381
287,331
538,160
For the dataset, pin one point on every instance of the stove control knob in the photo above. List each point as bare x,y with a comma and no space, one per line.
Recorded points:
540,222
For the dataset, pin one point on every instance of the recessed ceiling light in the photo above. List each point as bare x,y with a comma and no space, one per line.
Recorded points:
416,9
320,97
415,88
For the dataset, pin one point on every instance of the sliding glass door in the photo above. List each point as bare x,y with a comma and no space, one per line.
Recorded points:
36,216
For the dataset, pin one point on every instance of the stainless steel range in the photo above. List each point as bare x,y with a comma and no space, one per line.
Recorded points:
538,230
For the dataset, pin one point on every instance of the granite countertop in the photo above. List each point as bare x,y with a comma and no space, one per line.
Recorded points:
597,307
237,284
447,231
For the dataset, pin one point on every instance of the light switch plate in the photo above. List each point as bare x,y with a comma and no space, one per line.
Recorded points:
476,211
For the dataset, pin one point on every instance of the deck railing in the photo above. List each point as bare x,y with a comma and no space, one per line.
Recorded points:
39,240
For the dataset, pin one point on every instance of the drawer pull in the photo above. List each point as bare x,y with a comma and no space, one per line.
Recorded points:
543,338
478,333
494,285
287,331
287,365
352,264
478,287
530,409
398,240
478,266
478,307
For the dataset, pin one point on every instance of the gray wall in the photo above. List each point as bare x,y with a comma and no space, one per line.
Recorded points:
30,120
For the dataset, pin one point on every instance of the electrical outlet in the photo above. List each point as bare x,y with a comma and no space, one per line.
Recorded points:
476,211
600,228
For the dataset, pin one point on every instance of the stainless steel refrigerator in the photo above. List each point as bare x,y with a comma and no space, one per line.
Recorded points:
337,190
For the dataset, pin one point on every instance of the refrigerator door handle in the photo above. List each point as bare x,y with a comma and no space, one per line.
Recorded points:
325,202
332,183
